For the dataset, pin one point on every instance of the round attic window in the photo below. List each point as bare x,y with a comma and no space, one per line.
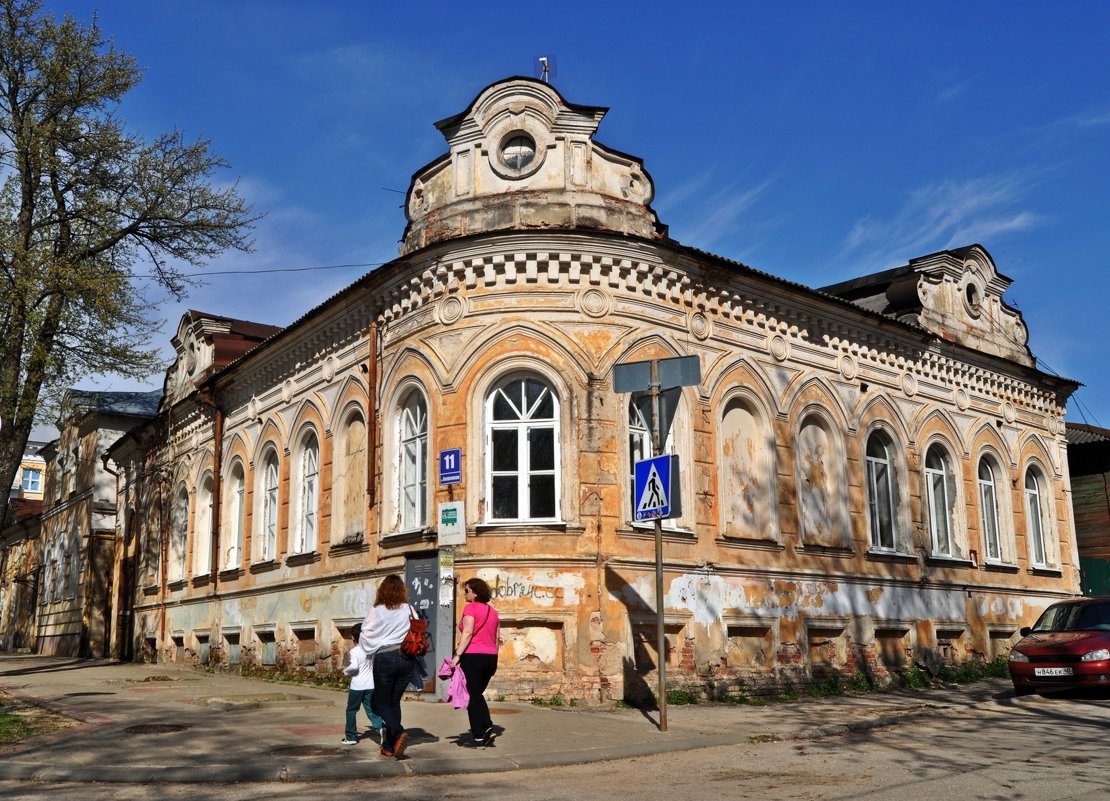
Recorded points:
973,298
518,151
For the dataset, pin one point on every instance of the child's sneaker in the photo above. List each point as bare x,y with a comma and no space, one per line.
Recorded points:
348,741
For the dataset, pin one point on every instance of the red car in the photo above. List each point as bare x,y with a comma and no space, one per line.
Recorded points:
1069,646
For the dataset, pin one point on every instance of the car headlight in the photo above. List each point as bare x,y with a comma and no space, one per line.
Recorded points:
1018,656
1096,656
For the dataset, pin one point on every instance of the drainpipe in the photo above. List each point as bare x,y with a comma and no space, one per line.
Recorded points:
164,556
371,416
207,399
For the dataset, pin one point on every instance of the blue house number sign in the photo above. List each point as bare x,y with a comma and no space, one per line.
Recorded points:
450,466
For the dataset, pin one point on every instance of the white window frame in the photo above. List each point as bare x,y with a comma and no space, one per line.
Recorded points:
524,426
31,481
180,533
1036,520
413,451
202,527
270,479
308,494
937,516
988,510
237,498
879,480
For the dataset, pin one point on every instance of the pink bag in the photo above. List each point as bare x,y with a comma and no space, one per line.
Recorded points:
446,669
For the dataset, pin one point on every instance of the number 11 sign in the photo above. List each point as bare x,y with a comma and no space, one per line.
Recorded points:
450,466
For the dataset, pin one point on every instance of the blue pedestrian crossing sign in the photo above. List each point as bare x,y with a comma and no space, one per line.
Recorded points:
652,497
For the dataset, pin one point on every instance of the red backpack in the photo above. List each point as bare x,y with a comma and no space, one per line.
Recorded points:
416,642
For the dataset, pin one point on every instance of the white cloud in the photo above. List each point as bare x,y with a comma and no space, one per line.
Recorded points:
711,217
943,215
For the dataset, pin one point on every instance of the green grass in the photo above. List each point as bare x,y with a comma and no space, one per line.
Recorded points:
14,728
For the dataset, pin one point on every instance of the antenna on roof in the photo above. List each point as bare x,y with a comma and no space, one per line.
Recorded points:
545,67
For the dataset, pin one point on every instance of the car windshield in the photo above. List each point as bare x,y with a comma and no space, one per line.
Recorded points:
1075,617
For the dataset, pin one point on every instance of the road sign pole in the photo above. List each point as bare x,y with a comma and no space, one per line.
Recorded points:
661,641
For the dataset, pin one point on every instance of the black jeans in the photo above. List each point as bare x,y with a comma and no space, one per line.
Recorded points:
478,669
392,674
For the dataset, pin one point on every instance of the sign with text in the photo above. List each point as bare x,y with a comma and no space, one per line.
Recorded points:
450,466
452,524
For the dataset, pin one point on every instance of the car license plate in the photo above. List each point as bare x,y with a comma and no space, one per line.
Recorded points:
1051,671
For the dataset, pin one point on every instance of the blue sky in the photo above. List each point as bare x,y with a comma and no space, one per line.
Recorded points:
814,140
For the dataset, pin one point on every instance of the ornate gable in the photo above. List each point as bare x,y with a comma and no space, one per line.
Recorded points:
521,157
955,294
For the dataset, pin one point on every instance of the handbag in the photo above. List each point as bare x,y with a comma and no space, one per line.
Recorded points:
416,642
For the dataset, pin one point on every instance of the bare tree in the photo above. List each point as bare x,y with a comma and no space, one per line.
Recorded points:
85,207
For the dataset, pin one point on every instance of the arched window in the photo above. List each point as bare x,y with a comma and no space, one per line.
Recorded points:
988,510
940,496
202,528
1036,517
880,491
179,536
237,509
747,474
267,548
349,485
522,454
820,481
308,494
414,462
640,447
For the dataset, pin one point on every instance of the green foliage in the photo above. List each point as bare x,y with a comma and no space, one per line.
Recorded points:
997,668
974,671
915,678
96,224
14,728
681,697
555,700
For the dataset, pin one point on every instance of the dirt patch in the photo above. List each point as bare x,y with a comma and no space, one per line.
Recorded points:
21,720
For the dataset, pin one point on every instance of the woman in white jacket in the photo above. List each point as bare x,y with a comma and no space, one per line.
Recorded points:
383,631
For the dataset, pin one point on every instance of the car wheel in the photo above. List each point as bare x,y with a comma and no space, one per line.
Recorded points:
1021,689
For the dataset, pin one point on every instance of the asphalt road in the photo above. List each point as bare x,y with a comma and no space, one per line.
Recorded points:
1037,748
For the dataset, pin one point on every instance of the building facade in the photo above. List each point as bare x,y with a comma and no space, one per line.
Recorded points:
1089,467
29,478
77,537
871,474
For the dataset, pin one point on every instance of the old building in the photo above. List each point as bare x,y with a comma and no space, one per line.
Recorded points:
20,574
78,521
29,478
869,472
1089,465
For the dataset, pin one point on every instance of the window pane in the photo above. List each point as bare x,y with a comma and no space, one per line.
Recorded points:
1036,531
883,502
990,519
941,531
505,502
505,449
533,391
503,409
541,449
541,496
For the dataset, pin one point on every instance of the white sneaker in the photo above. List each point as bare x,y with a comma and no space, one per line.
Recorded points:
348,741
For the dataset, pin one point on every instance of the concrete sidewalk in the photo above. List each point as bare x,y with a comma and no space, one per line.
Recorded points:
155,723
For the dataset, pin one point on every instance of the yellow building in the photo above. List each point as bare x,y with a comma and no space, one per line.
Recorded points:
870,474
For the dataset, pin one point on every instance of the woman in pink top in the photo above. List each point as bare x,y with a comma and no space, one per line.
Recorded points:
476,654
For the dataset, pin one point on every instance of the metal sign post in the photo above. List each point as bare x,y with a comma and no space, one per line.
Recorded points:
661,642
655,376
